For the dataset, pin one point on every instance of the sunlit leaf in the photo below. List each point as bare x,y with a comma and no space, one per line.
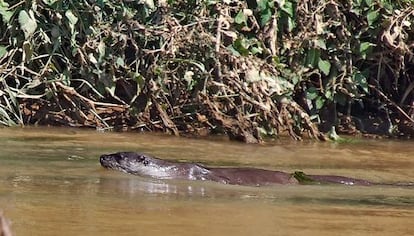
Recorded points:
149,3
329,95
256,50
240,18
27,23
92,58
4,11
321,44
365,48
188,77
324,66
120,61
102,51
72,19
233,51
3,51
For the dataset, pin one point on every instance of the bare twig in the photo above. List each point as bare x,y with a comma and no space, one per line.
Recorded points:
392,103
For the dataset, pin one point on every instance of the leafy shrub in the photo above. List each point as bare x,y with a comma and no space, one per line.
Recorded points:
239,67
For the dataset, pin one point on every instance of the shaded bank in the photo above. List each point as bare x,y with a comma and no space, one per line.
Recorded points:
246,69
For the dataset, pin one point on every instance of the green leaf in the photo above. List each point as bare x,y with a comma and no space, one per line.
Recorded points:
27,23
361,81
288,8
4,11
240,18
265,16
368,2
329,95
291,24
320,101
101,51
324,66
120,62
233,51
320,43
312,57
372,16
365,48
312,93
72,19
263,4
241,45
266,8
3,51
256,50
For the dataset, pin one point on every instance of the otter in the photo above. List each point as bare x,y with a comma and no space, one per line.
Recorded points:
148,166
144,165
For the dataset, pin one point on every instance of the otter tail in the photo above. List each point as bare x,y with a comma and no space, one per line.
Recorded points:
303,178
329,179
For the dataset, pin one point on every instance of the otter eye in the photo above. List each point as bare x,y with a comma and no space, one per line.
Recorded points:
145,162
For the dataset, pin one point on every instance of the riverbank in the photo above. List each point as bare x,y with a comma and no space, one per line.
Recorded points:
249,70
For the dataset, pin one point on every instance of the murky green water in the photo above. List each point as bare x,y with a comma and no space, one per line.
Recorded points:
51,183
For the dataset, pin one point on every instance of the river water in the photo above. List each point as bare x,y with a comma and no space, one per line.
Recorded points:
51,183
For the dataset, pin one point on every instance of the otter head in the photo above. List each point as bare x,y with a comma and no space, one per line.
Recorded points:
136,163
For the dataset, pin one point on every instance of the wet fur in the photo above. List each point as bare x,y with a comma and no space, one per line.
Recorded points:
145,165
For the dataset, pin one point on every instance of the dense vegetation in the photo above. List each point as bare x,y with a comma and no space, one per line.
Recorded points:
244,68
